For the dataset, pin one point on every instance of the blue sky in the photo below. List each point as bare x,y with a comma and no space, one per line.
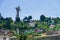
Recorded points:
50,8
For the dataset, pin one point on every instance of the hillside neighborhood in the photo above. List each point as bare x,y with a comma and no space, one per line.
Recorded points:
28,28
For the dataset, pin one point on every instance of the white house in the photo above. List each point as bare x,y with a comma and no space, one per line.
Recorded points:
51,26
32,24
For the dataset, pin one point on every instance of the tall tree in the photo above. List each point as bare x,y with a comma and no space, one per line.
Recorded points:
42,18
2,21
29,18
25,19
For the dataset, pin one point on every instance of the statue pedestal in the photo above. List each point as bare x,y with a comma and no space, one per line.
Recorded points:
17,30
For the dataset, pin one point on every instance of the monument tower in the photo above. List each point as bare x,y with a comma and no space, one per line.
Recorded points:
17,18
17,15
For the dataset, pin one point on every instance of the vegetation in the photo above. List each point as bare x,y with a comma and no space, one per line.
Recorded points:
44,22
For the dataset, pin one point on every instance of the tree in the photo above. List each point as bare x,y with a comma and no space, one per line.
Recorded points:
2,22
1,18
25,19
49,20
42,18
58,18
29,18
8,23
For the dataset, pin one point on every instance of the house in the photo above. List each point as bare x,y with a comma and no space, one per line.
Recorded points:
39,30
4,31
51,21
51,26
32,24
52,32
